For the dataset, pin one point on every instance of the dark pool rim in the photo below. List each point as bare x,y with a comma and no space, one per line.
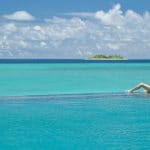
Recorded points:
76,96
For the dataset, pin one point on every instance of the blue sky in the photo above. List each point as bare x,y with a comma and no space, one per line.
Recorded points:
46,8
74,29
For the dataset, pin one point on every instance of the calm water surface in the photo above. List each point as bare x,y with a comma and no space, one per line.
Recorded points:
68,78
84,107
95,121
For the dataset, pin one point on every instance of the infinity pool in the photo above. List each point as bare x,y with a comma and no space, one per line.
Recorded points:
79,121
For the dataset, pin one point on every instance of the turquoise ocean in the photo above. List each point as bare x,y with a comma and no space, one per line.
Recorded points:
73,106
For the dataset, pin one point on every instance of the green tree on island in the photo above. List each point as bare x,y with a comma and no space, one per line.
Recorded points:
108,57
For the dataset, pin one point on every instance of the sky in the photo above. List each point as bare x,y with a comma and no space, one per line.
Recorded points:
74,29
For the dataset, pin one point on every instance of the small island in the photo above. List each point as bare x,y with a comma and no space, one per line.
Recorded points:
106,57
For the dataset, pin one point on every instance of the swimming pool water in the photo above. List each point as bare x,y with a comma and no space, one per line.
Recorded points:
85,121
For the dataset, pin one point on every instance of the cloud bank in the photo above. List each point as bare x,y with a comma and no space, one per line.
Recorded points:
79,36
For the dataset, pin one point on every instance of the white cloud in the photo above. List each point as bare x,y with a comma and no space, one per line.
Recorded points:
19,16
80,14
113,46
113,32
112,17
10,27
43,44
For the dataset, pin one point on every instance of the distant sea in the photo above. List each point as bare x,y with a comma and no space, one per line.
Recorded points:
72,61
70,76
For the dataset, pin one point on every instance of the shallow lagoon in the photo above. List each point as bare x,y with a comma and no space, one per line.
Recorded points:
69,78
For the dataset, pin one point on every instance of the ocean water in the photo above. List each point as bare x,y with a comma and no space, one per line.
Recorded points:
73,106
70,78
